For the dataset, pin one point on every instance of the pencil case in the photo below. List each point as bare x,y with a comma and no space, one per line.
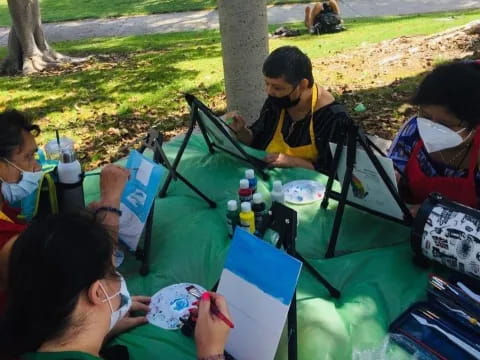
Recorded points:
429,333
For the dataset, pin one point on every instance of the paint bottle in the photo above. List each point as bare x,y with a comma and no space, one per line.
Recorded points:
247,218
232,216
258,208
277,192
70,183
245,193
252,180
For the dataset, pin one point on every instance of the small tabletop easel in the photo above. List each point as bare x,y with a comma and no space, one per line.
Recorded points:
197,107
154,142
353,135
283,220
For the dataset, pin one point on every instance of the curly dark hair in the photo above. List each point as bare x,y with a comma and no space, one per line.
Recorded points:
455,86
12,124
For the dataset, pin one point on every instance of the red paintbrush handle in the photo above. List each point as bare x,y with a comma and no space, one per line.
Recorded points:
217,313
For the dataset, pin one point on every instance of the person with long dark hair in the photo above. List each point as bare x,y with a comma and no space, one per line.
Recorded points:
439,150
65,297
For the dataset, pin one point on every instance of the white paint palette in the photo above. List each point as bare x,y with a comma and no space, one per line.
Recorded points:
170,304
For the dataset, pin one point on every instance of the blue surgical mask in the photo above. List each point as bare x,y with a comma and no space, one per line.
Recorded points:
13,192
125,302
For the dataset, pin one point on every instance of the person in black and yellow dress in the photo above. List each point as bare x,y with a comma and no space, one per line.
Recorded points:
299,117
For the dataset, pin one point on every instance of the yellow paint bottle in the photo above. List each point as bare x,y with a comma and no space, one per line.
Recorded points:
247,217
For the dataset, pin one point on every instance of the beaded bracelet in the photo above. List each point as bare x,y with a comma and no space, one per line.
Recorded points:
109,209
213,357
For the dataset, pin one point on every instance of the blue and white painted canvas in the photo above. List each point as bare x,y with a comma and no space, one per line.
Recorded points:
138,197
258,282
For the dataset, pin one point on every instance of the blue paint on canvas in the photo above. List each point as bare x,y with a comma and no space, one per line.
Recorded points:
261,264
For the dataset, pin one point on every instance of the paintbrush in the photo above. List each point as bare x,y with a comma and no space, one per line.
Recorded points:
192,290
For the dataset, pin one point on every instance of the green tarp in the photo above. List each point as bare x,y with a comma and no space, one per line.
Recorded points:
374,273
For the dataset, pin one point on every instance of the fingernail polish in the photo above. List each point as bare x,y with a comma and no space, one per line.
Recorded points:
205,296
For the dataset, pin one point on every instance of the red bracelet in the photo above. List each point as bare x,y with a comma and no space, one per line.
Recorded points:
213,357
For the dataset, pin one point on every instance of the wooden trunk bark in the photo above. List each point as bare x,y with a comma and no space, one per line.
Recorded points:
244,30
28,50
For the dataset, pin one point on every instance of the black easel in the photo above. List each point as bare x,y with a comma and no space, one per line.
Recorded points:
195,107
352,136
154,142
283,220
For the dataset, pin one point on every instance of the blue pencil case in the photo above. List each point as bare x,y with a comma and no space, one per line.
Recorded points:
444,327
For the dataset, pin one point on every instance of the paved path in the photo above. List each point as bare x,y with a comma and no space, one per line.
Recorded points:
208,19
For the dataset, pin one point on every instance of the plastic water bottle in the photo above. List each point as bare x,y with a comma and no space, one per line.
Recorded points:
258,208
252,180
70,187
277,192
244,193
232,216
247,218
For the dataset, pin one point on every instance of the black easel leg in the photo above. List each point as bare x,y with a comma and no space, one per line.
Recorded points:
332,290
210,202
333,173
168,180
145,267
351,153
292,329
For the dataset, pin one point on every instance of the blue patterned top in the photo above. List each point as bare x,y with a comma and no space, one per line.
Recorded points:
403,145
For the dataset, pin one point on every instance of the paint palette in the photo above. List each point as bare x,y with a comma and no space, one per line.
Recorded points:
170,304
303,191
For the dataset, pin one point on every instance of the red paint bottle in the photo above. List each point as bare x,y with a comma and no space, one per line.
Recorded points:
244,193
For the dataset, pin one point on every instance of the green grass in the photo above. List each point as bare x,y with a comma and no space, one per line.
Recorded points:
146,85
61,10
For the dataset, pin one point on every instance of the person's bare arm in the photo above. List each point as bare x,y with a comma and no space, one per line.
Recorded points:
112,182
335,7
239,125
286,161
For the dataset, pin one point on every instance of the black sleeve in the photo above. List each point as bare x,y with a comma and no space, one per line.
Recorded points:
330,126
264,128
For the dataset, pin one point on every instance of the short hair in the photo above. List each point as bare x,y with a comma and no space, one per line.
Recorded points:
455,86
12,124
289,62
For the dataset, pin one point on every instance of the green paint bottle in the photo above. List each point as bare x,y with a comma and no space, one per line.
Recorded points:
232,216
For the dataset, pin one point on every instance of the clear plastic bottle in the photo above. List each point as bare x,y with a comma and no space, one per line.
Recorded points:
277,193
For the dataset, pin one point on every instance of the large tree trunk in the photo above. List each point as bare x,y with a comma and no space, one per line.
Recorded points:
28,50
244,30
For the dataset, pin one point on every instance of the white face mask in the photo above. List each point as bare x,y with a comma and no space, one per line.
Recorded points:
437,137
125,302
13,192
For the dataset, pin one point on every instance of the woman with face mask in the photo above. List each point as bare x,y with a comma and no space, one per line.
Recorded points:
20,174
439,150
299,117
65,297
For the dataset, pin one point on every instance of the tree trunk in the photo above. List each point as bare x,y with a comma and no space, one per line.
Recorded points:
244,30
28,50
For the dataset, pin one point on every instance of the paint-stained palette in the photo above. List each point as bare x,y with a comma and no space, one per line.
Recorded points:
170,304
303,191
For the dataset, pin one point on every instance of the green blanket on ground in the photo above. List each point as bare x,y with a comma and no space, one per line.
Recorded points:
375,275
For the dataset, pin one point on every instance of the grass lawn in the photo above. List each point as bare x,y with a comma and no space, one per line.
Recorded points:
60,10
111,102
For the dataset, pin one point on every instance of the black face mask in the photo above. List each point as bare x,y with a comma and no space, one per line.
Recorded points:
284,102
